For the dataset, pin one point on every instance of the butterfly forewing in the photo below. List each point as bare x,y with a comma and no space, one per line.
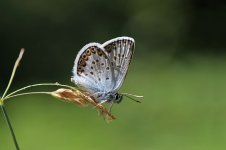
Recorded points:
92,69
119,52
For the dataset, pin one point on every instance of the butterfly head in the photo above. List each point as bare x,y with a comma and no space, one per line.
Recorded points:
118,98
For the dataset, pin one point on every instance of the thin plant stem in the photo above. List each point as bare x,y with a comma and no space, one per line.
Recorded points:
10,127
3,96
13,94
28,93
34,85
14,71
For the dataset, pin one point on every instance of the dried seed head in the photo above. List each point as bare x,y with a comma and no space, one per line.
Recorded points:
82,98
68,95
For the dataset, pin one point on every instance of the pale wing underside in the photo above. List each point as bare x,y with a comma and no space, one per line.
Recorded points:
119,52
92,69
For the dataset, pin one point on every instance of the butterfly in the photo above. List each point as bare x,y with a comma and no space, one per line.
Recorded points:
100,69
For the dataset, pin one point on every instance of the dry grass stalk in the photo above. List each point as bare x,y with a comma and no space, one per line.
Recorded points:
83,99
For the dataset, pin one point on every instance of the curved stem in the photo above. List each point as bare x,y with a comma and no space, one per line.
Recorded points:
40,84
28,93
14,71
10,127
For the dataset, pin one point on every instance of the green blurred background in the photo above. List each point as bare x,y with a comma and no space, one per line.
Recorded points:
179,66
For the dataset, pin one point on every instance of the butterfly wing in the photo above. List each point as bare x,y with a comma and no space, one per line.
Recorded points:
92,71
119,52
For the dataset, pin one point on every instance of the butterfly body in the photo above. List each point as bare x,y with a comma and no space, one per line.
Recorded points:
110,97
100,69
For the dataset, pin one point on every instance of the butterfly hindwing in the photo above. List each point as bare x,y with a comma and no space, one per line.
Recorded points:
92,70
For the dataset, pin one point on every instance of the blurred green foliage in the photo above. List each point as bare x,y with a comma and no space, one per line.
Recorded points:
56,30
179,66
183,108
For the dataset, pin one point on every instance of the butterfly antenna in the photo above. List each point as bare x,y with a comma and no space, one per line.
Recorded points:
129,96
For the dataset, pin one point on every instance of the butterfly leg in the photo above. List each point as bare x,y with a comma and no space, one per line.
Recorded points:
111,105
99,104
102,102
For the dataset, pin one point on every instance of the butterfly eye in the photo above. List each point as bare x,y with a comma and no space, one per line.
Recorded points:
88,52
